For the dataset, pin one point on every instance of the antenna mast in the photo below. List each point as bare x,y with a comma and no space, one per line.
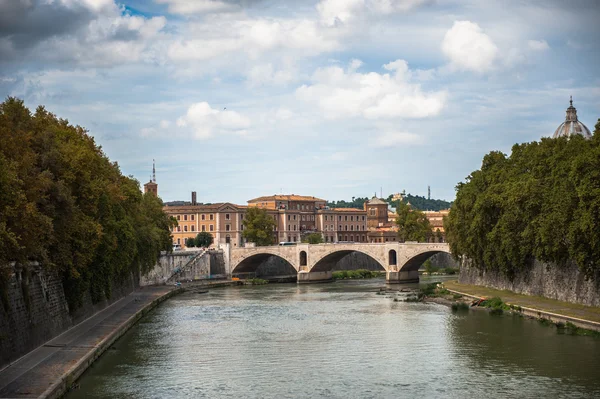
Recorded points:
153,172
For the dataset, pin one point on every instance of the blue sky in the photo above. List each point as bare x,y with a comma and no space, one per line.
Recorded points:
332,98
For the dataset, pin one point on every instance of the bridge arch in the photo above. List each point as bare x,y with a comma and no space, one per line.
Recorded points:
412,262
251,264
328,262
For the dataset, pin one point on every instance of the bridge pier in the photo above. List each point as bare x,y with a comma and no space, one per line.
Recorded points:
315,277
411,276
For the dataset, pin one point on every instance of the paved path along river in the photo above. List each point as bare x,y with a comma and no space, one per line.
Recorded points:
338,340
37,372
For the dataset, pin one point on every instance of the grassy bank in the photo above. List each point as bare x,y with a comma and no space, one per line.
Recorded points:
356,274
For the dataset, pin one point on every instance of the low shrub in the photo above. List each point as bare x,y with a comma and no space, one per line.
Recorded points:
460,306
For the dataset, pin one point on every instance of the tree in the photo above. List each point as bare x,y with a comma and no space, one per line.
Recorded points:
64,204
204,239
438,235
412,224
313,238
190,242
258,227
541,202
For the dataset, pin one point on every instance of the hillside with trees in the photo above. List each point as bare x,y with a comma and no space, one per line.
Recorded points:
64,204
541,202
416,202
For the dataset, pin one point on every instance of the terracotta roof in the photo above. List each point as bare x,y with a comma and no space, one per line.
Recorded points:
348,210
286,197
199,207
376,201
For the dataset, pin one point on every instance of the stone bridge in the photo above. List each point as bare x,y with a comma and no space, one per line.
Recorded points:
314,262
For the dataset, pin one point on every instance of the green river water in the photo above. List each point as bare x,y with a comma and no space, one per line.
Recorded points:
337,340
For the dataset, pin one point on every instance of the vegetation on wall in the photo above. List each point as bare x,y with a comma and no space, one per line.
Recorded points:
64,204
541,202
258,227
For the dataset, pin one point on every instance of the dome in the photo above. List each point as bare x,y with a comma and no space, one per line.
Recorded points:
571,126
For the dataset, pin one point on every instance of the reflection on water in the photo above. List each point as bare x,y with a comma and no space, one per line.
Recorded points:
337,340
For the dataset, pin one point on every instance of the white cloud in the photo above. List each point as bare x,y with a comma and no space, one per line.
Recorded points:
253,37
340,93
263,75
538,45
335,12
394,139
468,48
203,121
187,7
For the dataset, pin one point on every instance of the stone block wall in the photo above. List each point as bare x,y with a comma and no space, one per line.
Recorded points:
35,310
564,283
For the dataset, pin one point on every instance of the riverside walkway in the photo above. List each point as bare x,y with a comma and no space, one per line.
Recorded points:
49,370
547,306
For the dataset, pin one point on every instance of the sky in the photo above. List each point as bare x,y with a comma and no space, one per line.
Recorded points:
236,99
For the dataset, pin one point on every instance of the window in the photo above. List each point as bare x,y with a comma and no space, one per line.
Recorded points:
357,227
346,227
294,217
211,227
346,218
203,228
363,218
192,216
178,228
351,218
179,241
351,238
203,217
193,228
184,228
227,227
289,217
340,229
211,216
294,227
303,218
372,211
298,207
325,217
312,218
184,217
340,218
178,217
226,216
331,227
345,238
352,227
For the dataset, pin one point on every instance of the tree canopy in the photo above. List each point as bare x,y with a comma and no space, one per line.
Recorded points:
64,204
313,238
204,239
541,202
412,224
258,227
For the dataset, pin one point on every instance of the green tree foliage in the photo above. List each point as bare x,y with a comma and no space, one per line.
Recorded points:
413,225
204,240
258,227
421,203
313,238
355,203
190,242
64,204
542,202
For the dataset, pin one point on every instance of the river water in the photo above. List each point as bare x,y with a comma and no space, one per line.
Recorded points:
337,340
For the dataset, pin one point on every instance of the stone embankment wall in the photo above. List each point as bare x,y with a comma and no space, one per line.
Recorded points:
564,283
209,265
34,310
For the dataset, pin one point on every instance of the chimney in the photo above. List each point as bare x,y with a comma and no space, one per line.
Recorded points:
194,198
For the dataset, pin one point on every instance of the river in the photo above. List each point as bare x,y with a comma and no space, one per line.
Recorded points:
337,340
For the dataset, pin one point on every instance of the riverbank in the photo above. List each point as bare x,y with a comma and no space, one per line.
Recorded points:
50,370
534,306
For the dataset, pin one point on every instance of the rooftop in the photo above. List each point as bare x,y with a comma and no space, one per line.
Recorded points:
286,197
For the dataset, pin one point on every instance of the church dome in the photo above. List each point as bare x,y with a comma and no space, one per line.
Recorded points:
571,126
